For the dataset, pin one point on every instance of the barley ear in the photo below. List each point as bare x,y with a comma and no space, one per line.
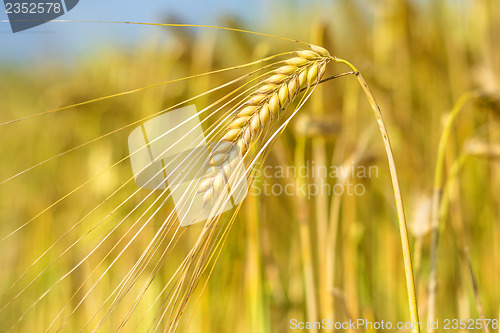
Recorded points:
260,111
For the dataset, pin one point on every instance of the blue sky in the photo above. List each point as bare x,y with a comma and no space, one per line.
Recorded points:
62,39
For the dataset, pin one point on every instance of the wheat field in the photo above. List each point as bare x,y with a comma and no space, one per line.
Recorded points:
318,238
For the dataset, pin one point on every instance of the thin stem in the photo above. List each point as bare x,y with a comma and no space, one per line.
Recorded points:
448,187
305,238
476,292
436,203
444,206
403,230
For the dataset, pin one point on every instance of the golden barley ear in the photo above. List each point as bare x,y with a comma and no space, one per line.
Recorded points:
255,114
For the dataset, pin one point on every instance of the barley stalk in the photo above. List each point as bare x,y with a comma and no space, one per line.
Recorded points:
437,201
403,230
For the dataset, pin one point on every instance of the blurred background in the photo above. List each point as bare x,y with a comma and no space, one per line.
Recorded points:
304,257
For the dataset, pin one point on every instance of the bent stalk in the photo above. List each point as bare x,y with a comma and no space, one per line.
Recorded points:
403,230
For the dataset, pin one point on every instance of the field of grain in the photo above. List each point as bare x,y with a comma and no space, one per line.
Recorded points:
317,239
